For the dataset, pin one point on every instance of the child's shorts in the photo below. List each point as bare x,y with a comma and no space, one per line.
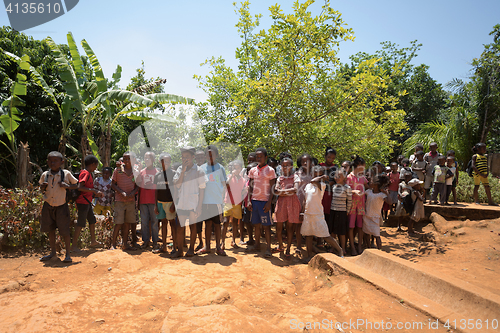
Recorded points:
211,212
429,181
233,210
258,215
85,213
338,223
55,218
479,179
102,210
393,195
125,212
164,211
355,221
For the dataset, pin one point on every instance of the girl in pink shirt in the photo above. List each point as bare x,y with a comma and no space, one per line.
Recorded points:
358,182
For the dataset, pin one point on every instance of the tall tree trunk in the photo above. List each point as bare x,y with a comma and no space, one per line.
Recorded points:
62,145
84,147
106,159
23,165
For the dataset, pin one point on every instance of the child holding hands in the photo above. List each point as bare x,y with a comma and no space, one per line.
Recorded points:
376,195
312,215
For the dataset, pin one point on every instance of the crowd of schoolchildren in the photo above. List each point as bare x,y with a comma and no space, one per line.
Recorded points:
325,203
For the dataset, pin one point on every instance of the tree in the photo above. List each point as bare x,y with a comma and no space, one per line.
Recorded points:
288,93
39,112
474,108
419,95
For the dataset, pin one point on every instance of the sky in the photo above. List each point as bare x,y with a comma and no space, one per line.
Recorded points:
174,37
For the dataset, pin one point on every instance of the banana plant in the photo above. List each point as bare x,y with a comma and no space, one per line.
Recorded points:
10,114
94,103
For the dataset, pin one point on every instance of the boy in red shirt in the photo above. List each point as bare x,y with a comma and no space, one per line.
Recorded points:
83,203
147,201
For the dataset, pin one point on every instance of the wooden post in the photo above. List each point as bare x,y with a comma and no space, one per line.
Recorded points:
23,165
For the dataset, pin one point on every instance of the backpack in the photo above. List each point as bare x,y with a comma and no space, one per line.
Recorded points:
469,168
71,194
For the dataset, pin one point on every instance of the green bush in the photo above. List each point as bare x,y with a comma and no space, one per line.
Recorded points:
20,213
465,189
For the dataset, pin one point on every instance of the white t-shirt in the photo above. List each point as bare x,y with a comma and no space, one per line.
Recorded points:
374,203
314,197
449,181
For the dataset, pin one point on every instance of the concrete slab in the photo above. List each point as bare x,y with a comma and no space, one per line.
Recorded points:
440,296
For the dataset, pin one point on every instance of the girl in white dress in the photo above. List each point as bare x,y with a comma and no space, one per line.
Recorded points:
312,213
375,197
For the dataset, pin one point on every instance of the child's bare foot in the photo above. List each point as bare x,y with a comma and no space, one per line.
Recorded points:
190,253
306,260
493,204
175,254
199,247
234,245
95,244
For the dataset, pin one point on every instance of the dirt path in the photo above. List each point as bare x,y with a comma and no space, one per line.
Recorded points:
143,292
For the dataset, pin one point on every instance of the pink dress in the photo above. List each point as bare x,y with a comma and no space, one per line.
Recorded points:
358,201
287,207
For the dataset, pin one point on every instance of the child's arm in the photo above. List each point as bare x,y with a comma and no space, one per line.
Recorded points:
449,174
250,192
387,198
303,209
349,199
269,203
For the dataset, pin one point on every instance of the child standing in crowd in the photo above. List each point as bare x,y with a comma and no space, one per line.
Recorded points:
190,182
314,223
287,207
455,177
405,204
432,159
394,179
450,163
55,210
441,173
123,183
247,214
165,208
341,205
418,206
260,191
301,178
201,159
83,203
103,184
232,202
213,200
357,181
375,197
418,147
419,165
147,202
331,169
480,173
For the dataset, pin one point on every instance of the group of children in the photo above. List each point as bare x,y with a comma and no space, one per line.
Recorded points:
321,201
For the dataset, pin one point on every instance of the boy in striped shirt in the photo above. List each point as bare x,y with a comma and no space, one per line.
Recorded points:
338,223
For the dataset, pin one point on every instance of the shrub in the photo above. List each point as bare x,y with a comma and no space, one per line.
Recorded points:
20,213
465,189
